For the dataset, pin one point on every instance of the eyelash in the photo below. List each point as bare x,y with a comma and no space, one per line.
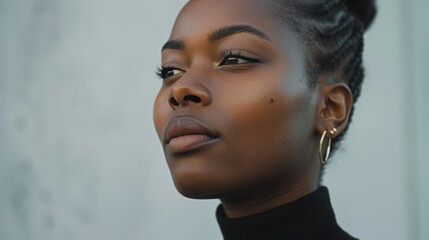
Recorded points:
239,55
163,71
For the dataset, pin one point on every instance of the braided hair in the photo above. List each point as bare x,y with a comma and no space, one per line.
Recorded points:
332,34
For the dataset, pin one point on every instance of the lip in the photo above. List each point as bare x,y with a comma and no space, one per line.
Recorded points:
185,134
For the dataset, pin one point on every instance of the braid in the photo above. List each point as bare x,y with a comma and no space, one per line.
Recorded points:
341,53
332,35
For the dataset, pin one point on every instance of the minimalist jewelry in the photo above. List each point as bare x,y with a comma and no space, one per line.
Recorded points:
324,159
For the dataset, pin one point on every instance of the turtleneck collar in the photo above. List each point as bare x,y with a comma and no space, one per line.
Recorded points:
310,217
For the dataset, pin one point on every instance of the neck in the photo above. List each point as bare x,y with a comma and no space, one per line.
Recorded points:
267,197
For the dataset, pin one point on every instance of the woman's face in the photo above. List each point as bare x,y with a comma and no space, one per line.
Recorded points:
235,113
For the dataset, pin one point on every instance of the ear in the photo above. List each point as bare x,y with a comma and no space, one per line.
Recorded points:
333,108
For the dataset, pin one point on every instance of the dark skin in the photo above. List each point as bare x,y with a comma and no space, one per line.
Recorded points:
248,86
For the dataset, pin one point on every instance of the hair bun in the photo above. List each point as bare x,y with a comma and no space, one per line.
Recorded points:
364,10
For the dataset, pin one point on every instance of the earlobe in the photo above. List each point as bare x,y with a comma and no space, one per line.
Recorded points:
333,111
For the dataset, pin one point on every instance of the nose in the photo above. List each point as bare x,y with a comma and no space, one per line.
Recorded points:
185,93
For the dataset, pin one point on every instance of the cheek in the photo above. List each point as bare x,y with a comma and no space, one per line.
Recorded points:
264,103
161,109
269,122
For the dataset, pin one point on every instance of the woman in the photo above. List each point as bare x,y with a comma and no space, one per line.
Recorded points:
254,95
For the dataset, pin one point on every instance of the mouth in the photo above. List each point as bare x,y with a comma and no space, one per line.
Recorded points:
186,134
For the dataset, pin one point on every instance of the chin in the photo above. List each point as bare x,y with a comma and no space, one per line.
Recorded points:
197,192
197,185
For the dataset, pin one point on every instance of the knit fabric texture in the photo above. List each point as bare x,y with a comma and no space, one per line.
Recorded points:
310,217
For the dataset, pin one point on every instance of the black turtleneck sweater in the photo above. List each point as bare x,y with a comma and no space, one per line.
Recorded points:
310,217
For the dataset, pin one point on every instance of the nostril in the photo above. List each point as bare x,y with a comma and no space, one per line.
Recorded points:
174,102
192,98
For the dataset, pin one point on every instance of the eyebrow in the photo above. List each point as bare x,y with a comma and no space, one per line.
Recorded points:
218,34
235,29
173,44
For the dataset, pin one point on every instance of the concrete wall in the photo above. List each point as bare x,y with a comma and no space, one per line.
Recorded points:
79,158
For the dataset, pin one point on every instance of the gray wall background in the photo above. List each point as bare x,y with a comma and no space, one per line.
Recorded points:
79,158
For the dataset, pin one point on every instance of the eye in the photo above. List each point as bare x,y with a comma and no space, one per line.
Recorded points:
166,72
238,57
233,60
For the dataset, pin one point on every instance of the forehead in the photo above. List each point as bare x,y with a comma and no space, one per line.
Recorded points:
200,17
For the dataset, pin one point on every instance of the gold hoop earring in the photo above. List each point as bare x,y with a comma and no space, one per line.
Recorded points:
328,148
